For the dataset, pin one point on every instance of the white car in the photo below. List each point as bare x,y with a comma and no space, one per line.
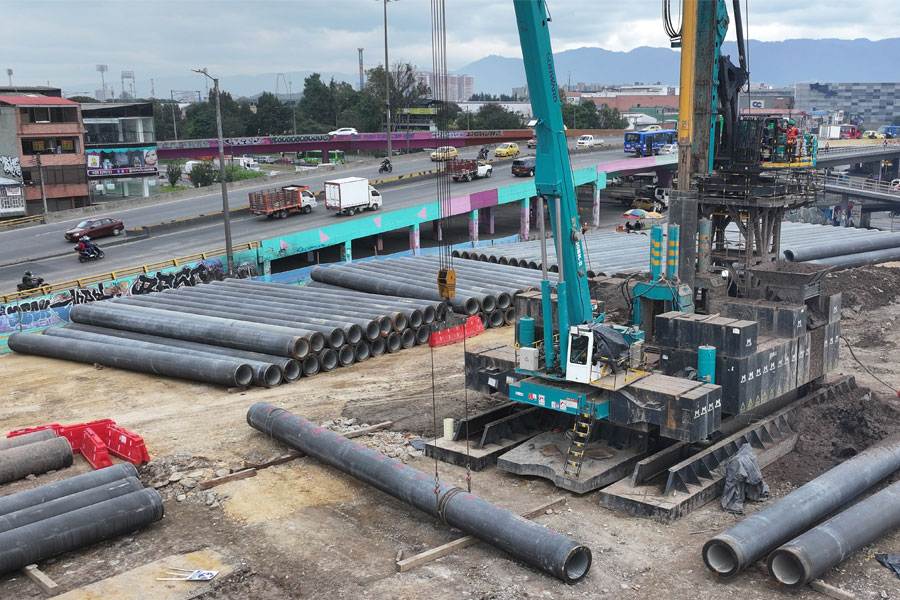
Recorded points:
585,141
344,131
669,149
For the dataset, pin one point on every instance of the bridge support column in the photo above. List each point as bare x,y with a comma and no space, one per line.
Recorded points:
437,231
325,157
347,251
525,219
414,239
310,256
473,226
865,220
488,222
595,215
379,243
664,178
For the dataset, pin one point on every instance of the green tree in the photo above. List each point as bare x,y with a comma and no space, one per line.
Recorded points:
167,118
173,173
405,89
610,118
497,116
201,117
272,117
317,105
203,174
83,99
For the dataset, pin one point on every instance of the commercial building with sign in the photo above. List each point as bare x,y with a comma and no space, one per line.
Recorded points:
120,149
875,103
41,141
12,198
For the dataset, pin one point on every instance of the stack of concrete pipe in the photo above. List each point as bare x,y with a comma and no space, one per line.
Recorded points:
73,513
237,332
609,252
33,454
484,289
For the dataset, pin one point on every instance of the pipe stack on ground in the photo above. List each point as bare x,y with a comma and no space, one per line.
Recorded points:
732,551
525,540
32,454
45,521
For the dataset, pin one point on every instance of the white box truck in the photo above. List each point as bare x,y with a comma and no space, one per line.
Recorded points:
350,195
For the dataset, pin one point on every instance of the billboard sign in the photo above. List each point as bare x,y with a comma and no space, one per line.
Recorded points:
117,162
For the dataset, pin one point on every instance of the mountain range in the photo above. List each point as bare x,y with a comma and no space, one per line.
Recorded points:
774,63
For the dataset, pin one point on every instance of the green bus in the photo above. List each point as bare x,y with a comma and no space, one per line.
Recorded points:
315,156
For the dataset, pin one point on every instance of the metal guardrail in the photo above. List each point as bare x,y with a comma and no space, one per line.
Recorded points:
22,220
122,273
862,183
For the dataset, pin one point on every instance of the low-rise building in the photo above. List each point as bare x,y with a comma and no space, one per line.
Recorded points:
42,146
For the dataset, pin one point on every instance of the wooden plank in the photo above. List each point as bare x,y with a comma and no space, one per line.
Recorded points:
831,591
205,485
41,579
365,430
293,454
463,542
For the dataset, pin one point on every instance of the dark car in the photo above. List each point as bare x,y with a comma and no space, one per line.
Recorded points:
523,167
94,228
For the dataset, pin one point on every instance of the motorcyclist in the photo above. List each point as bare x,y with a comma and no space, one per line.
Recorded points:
86,247
386,165
483,153
29,281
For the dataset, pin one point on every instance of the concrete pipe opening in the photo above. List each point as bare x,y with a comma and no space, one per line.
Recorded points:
788,255
392,342
485,322
529,264
504,300
471,306
422,335
787,568
720,558
311,365
492,259
301,348
483,257
336,338
489,304
291,369
385,326
354,334
243,375
591,274
403,321
428,315
496,318
272,376
316,342
554,268
378,347
328,359
577,564
346,355
503,260
509,315
372,330
362,351
408,338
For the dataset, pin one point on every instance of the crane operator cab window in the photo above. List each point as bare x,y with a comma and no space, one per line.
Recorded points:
578,348
579,365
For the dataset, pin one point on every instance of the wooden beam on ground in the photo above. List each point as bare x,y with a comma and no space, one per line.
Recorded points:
366,430
278,460
41,579
209,483
463,542
831,591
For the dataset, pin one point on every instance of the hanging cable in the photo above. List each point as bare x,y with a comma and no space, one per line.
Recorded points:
866,369
674,34
446,275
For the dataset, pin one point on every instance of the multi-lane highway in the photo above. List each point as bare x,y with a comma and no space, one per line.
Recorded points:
42,240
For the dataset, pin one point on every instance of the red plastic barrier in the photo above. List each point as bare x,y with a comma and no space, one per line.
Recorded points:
472,327
97,440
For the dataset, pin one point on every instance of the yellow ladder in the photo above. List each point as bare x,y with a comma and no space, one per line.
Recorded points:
581,433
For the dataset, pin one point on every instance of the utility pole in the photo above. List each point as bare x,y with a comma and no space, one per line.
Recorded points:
174,123
37,159
229,253
387,81
9,72
102,69
361,81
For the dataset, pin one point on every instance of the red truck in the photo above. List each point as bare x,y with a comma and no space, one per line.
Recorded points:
462,169
278,204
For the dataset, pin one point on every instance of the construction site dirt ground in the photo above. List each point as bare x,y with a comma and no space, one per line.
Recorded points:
305,530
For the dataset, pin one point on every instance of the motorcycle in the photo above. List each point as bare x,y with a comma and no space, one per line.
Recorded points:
483,153
386,166
30,283
94,254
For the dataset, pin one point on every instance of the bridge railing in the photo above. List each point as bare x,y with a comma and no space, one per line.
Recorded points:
123,273
862,183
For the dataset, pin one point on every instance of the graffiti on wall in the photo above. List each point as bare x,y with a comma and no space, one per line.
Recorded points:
11,167
54,309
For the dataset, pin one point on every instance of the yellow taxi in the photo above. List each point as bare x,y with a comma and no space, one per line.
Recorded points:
506,149
872,135
444,153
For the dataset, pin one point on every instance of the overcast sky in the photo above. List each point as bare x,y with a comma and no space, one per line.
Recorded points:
62,40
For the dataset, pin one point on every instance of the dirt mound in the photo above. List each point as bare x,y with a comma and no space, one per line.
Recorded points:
834,430
866,287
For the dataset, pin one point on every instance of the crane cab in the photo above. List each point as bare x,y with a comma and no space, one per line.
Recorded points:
603,355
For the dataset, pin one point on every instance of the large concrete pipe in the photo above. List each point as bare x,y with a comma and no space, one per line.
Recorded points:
378,347
328,359
393,342
223,370
429,308
860,259
366,283
34,459
422,335
863,243
231,333
28,438
811,554
265,374
408,339
345,355
523,539
344,297
362,351
299,312
427,272
311,365
317,337
728,553
260,298
495,318
290,368
79,528
65,487
58,506
207,308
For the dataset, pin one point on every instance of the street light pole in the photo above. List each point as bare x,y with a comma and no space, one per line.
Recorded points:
229,253
37,159
387,82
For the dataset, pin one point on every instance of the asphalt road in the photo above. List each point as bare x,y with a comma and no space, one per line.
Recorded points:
45,239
